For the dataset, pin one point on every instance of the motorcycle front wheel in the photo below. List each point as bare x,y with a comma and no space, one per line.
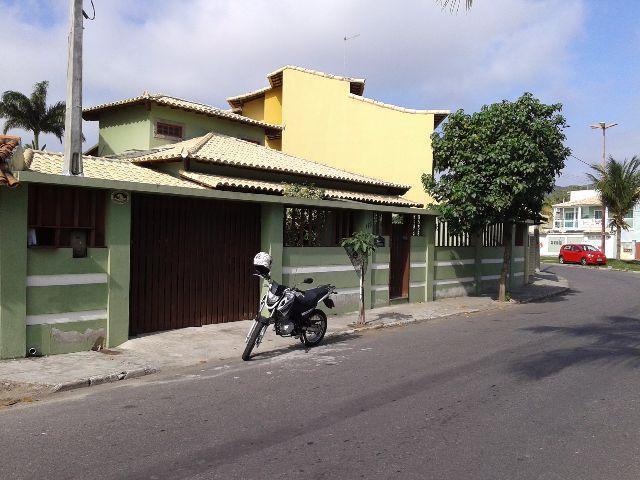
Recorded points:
316,328
251,342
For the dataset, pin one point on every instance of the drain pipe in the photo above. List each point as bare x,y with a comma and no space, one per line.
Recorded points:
32,352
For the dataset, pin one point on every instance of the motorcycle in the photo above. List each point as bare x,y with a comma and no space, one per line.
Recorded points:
292,312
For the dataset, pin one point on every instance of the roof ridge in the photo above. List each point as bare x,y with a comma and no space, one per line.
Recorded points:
201,143
316,72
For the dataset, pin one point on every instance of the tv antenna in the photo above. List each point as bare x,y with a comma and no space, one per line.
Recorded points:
344,52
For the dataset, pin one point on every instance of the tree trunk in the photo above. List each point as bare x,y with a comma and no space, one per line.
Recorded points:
36,143
506,262
361,314
618,242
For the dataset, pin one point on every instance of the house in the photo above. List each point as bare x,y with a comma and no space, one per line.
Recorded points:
152,120
160,230
326,119
579,220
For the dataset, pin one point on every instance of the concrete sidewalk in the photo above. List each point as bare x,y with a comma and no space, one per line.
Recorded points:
191,346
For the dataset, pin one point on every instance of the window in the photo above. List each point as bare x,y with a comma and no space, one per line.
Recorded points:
591,212
315,227
169,130
58,216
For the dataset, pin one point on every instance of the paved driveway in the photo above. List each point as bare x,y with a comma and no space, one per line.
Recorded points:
546,390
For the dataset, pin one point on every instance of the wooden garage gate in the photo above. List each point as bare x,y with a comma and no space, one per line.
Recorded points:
191,262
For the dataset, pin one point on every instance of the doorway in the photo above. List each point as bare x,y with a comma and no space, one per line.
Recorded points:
400,262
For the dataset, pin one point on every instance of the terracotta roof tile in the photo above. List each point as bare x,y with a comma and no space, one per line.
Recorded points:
90,113
234,183
225,150
50,163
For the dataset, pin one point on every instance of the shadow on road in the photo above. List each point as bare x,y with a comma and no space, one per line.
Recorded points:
614,341
296,345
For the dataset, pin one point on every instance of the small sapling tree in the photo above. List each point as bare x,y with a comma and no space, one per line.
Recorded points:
360,246
496,165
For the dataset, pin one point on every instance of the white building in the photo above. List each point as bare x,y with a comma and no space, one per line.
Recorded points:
579,220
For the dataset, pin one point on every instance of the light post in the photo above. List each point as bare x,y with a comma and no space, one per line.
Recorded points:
603,126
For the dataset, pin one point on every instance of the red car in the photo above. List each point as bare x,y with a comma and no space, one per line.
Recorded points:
583,254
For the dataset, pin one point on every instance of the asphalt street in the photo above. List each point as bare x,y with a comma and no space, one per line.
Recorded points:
546,390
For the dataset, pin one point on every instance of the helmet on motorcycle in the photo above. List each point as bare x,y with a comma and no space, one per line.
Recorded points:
262,263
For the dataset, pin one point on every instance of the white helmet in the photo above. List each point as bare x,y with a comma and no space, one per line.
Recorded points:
262,263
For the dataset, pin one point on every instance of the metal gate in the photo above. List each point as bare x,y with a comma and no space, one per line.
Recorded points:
191,262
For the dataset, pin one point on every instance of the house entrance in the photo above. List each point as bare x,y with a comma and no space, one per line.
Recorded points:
399,264
191,262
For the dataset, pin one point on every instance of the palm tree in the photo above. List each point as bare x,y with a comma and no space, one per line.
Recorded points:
619,187
454,5
32,113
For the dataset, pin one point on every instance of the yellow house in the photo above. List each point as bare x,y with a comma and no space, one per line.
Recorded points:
326,119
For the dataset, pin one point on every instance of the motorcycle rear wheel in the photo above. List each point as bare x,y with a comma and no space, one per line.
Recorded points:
255,331
317,327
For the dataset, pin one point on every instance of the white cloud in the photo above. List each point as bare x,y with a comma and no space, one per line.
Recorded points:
411,53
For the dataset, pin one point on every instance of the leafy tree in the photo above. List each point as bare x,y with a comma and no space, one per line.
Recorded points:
32,113
360,246
619,187
496,165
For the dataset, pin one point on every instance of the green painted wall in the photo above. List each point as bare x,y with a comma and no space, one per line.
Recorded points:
196,125
133,127
66,337
47,261
323,257
112,297
13,271
118,241
66,298
124,129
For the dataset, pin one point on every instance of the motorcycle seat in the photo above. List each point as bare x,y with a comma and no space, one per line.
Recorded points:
310,298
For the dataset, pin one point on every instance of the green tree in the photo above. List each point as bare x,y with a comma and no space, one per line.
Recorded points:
619,187
32,113
496,165
360,246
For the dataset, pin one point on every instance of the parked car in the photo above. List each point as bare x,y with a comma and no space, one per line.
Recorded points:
583,254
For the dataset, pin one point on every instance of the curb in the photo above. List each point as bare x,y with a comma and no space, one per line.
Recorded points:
106,378
148,370
560,291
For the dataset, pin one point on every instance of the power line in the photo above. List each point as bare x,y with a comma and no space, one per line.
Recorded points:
580,160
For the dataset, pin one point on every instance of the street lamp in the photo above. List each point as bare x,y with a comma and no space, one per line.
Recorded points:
604,127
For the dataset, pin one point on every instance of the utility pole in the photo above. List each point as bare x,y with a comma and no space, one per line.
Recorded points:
344,52
604,127
73,116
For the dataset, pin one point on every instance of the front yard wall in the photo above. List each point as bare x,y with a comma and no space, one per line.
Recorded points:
52,302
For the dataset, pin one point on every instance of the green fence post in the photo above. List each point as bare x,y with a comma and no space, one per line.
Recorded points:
13,271
430,234
118,239
477,243
272,237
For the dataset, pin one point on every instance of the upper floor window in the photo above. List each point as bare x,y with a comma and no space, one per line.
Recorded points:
169,130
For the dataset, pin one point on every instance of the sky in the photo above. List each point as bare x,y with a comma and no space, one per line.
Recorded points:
581,53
